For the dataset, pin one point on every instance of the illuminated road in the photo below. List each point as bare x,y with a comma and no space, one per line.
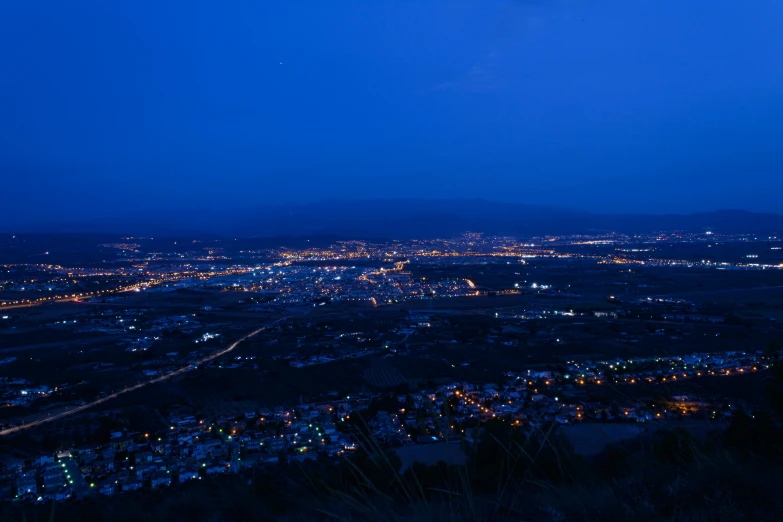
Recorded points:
162,278
181,371
39,303
74,297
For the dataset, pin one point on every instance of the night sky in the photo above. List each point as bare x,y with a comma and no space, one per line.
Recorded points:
603,105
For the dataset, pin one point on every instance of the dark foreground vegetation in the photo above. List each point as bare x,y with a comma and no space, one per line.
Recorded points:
732,474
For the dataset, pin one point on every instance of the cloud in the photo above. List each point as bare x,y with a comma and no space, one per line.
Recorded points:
483,76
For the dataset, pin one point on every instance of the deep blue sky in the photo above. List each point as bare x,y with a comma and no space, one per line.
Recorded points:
612,105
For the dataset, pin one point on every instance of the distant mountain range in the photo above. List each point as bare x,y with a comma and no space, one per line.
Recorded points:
410,218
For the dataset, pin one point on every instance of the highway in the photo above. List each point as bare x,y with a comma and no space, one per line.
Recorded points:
160,378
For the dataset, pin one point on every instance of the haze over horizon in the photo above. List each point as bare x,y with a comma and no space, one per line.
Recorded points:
609,106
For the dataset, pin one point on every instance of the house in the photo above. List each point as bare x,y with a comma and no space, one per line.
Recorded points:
160,447
131,485
88,457
102,467
310,455
300,426
269,459
162,481
26,485
275,444
108,453
200,451
214,470
225,419
143,456
64,494
145,471
188,475
53,473
334,448
44,459
213,447
14,466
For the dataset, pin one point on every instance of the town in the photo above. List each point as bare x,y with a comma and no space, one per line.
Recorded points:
183,360
194,448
